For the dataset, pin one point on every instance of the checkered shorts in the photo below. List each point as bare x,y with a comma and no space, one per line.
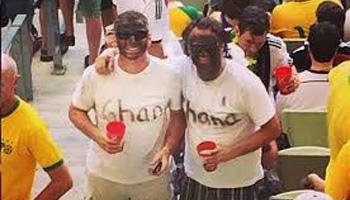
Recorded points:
192,190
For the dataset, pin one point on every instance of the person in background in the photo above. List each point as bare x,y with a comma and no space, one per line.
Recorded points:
323,39
335,14
26,141
337,183
157,14
261,51
293,19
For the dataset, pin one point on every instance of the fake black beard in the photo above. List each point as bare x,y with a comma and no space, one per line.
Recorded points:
208,71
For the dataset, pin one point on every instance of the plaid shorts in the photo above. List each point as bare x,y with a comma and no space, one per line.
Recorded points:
192,190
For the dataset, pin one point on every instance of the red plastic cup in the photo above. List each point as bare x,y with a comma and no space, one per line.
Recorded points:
205,145
115,130
283,73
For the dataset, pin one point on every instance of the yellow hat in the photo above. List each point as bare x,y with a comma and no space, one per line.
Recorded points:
181,16
178,21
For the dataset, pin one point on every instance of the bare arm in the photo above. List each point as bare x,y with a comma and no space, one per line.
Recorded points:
175,131
61,182
174,135
81,120
268,132
270,155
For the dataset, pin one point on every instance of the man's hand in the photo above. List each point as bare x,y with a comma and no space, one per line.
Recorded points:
104,63
291,85
160,162
213,157
314,182
109,145
111,40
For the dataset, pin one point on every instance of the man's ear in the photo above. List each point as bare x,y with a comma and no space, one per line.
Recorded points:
16,80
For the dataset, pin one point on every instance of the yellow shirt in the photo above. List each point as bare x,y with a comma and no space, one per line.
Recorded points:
290,17
338,171
25,140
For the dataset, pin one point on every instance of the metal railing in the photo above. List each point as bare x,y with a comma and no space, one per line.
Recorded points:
16,42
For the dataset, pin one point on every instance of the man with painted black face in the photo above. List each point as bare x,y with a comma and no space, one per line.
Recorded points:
142,93
226,104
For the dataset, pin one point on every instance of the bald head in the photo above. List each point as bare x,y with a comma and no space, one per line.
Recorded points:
8,66
9,80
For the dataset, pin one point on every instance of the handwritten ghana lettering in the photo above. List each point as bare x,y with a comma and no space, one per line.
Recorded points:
112,111
204,118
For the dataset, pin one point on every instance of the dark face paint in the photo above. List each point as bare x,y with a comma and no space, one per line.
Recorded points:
132,40
205,54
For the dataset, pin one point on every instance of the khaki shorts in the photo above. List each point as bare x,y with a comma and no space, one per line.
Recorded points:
102,189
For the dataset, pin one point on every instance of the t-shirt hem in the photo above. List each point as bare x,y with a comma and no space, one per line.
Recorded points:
123,181
243,184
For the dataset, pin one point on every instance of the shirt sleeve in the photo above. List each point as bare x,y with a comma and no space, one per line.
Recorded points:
83,93
43,148
278,52
156,13
338,182
256,100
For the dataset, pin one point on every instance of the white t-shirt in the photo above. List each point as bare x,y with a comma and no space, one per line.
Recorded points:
311,93
225,110
142,101
155,11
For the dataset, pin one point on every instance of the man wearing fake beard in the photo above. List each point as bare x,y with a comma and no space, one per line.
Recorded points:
227,104
145,95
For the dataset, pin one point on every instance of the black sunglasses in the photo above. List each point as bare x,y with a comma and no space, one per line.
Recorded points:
139,35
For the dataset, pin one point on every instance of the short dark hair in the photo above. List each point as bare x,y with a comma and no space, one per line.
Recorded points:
267,5
254,20
324,39
332,12
234,8
130,18
206,23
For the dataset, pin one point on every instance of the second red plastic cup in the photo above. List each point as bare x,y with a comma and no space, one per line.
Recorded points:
283,73
115,130
205,145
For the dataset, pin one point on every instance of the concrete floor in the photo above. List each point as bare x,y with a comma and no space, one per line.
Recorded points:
52,96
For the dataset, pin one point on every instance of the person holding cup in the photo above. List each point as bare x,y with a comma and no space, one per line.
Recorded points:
139,119
229,115
263,51
324,39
